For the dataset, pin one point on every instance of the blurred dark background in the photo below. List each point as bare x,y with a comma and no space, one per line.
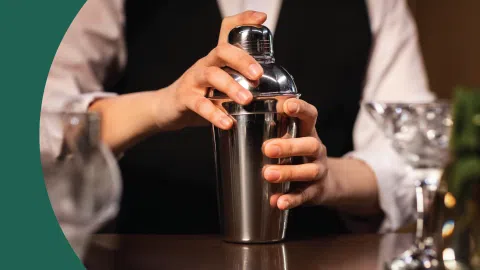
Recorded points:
450,40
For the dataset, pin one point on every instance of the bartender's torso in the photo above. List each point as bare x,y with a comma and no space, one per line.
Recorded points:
169,179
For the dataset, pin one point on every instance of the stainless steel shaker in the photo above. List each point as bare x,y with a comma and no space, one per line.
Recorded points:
246,214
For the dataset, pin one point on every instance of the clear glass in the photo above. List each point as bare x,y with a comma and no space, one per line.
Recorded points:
420,134
81,174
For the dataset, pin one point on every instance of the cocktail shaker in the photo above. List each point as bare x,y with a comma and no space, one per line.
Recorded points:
246,213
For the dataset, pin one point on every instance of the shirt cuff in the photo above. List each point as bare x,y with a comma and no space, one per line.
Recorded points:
51,135
395,188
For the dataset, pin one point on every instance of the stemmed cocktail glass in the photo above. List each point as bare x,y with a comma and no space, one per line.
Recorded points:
419,133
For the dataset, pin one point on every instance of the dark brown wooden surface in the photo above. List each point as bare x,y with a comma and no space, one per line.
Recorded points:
165,252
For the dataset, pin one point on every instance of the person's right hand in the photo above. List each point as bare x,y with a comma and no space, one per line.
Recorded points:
187,94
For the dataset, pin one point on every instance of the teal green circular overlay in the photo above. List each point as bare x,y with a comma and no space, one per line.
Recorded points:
30,32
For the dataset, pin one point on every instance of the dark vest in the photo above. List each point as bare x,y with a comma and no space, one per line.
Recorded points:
169,179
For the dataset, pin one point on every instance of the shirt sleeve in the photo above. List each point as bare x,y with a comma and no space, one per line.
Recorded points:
90,56
92,49
395,74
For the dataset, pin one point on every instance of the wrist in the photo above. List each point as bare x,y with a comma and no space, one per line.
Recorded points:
165,110
333,193
351,187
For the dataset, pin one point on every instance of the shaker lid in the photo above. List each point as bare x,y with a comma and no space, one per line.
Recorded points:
258,42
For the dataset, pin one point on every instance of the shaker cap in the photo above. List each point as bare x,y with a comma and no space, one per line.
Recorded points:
258,42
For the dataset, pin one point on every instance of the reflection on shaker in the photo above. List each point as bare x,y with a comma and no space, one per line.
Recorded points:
255,257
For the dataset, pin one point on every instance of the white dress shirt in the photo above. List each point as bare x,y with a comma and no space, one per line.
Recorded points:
395,72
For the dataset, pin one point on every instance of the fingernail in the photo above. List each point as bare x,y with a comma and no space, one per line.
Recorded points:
242,96
292,107
226,122
272,174
258,15
254,70
274,150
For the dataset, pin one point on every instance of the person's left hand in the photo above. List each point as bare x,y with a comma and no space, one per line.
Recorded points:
312,174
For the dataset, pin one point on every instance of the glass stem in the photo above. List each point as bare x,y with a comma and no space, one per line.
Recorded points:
426,185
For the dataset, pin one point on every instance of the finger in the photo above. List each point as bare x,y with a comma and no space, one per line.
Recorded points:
304,111
219,79
274,199
245,18
235,58
294,147
298,197
205,108
288,173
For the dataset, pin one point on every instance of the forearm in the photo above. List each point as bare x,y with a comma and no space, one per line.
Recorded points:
353,187
127,119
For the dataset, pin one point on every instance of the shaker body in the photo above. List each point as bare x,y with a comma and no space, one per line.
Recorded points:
244,195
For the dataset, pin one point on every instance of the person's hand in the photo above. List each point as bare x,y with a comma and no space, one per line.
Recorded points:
188,92
309,177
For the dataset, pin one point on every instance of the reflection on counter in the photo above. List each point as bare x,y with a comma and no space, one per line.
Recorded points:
255,257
